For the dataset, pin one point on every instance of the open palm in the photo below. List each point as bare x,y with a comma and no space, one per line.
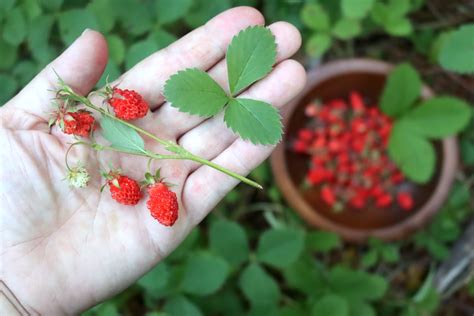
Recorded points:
66,249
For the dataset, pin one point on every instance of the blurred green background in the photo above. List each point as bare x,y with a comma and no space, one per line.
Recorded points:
253,255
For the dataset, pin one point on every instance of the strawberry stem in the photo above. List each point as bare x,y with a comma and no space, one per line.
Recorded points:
180,152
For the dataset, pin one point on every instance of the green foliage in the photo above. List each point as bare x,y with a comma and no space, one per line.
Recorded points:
121,136
379,251
330,304
229,240
250,56
412,153
401,90
322,241
457,50
280,247
258,287
425,301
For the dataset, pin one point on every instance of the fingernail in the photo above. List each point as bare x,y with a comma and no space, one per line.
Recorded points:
85,31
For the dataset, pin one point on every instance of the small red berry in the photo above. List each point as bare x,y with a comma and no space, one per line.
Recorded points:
79,123
384,200
357,202
327,195
124,189
357,103
163,203
128,104
305,134
300,146
405,201
316,176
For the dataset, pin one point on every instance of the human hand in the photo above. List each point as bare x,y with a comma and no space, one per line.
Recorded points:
64,250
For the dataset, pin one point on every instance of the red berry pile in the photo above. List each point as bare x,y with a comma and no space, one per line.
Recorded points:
347,142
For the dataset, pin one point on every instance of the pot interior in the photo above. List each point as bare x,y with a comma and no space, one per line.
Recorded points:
370,86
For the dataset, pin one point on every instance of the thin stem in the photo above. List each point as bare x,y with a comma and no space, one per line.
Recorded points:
169,145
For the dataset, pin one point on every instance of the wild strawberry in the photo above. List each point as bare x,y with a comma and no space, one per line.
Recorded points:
357,201
356,101
383,201
123,189
79,123
300,146
316,176
78,177
405,201
128,104
328,196
163,203
305,135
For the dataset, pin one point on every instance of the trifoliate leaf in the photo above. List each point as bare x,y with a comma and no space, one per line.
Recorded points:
439,117
318,44
194,91
346,28
457,52
315,17
413,154
250,57
402,88
280,247
258,286
253,120
356,8
121,136
204,274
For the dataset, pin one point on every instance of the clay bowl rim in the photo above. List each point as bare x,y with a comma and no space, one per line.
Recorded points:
394,232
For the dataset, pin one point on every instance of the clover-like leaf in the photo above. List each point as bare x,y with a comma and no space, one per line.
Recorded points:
356,9
280,247
194,91
250,57
253,120
121,136
439,117
412,153
401,90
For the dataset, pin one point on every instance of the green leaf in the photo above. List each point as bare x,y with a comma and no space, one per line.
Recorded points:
250,57
357,285
185,248
330,304
121,136
318,44
139,51
104,14
32,9
138,18
358,308
51,5
315,17
156,279
258,286
116,48
203,10
181,306
304,275
73,22
8,87
194,91
38,39
458,50
402,88
412,153
253,120
346,28
15,27
8,55
162,38
171,10
229,240
439,117
322,241
399,26
111,72
280,247
370,258
205,274
390,253
24,71
356,8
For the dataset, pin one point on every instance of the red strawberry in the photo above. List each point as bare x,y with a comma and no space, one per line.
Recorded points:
163,203
405,201
123,189
327,195
79,123
128,104
384,200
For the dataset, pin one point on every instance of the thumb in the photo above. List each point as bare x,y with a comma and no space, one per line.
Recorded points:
80,66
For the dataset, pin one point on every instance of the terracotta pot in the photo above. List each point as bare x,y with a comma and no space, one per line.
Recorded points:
335,80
